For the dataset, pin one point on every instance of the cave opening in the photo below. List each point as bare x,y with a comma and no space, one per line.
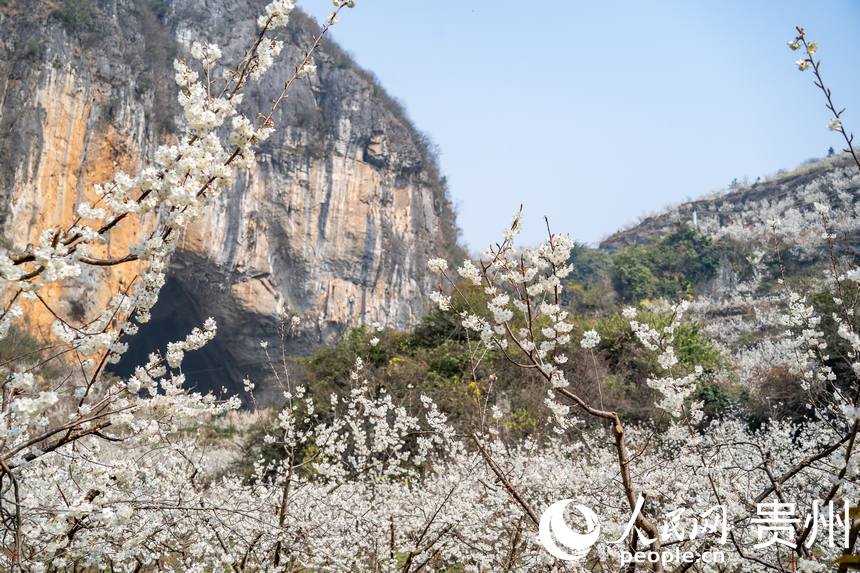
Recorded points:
174,316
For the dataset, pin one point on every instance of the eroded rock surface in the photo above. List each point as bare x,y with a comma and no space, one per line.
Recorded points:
335,223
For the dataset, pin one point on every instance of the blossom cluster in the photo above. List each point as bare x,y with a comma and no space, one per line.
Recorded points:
523,312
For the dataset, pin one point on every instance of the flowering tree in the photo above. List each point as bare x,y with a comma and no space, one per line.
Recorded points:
123,474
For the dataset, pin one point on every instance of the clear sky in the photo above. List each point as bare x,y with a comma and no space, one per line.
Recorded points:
596,113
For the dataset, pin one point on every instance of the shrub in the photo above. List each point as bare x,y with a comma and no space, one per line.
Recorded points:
670,268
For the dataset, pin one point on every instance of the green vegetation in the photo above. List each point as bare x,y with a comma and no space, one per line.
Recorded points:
33,49
674,267
20,347
77,14
161,8
437,359
433,359
670,268
25,352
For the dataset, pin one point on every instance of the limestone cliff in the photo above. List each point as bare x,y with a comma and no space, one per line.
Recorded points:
334,224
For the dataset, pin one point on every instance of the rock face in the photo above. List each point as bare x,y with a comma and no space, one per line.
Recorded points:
335,223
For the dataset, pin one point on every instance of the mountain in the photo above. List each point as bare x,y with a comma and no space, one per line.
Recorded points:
334,224
744,212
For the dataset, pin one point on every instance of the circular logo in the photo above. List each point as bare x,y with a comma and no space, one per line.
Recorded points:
571,546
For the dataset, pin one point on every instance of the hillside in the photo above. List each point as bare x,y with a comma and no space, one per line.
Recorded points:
743,213
708,247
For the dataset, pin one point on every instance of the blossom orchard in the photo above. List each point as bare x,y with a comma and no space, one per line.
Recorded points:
106,473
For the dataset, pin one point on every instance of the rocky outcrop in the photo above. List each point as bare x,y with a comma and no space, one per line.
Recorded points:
335,223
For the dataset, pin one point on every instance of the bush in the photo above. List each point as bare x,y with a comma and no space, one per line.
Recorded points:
671,268
632,274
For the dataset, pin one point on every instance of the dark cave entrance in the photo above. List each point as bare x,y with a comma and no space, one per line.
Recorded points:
175,314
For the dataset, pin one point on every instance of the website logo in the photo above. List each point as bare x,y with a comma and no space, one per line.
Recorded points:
775,524
560,540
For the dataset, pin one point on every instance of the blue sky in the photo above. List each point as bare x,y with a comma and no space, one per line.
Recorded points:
596,113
